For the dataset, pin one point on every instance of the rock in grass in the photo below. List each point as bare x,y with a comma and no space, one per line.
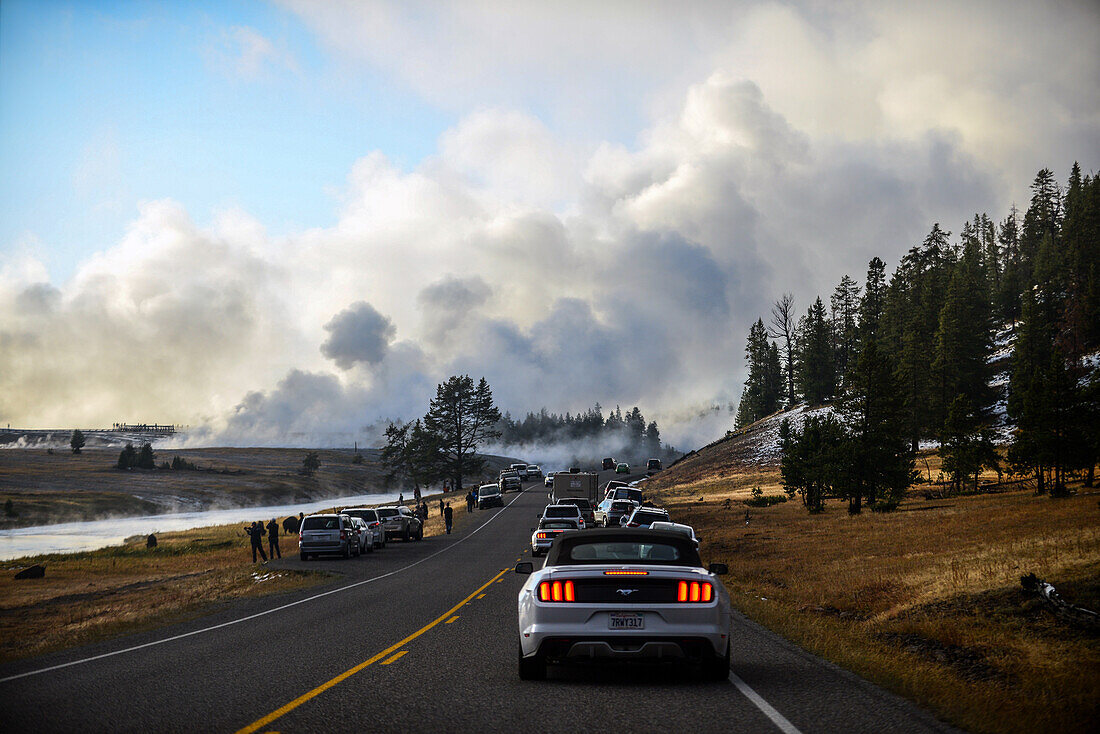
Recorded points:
32,572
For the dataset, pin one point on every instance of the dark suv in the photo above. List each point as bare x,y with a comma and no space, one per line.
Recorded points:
608,463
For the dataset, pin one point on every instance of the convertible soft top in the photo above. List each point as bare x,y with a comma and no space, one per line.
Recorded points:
560,552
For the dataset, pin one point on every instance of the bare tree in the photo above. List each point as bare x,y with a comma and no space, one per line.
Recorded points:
782,327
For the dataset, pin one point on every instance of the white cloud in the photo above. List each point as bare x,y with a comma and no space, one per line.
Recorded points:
246,53
566,272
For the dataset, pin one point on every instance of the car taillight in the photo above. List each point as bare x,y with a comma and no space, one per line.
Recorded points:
695,591
543,536
627,573
557,591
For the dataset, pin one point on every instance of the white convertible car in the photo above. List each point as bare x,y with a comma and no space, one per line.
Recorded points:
618,594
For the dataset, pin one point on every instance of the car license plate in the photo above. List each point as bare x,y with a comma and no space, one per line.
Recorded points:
626,621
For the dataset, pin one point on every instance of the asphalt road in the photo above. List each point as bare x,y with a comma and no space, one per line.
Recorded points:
421,637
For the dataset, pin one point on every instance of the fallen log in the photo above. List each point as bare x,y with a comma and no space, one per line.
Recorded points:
1062,609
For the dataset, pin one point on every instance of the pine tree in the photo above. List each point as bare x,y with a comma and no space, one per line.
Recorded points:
845,313
916,297
460,418
311,463
815,372
967,445
653,439
1041,220
1080,237
964,339
873,302
146,459
877,464
764,383
1012,275
127,457
811,458
76,442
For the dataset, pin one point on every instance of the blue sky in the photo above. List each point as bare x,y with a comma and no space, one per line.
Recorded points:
105,105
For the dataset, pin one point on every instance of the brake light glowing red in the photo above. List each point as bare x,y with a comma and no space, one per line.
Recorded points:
694,591
557,591
627,573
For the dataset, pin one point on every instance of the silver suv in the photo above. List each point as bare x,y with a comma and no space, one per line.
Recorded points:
328,534
400,522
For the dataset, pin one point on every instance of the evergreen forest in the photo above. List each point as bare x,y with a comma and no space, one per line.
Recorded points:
987,338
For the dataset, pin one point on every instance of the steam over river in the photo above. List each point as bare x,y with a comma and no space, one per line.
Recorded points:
71,537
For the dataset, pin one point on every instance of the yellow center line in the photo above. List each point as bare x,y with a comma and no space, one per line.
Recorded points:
395,657
452,619
283,710
480,596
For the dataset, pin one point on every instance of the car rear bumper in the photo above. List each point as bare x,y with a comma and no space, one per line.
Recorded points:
585,629
323,547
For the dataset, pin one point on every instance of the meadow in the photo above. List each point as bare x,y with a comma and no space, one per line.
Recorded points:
927,600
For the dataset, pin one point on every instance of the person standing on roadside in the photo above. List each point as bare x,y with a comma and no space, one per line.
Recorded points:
256,535
448,517
273,539
441,507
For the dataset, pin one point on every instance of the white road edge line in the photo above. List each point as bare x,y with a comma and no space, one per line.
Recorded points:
258,614
777,718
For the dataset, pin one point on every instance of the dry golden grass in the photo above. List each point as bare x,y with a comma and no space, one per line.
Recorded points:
926,600
94,595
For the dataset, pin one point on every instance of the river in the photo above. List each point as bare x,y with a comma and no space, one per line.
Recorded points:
71,537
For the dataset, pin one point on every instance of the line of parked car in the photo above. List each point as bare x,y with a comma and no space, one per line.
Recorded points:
354,531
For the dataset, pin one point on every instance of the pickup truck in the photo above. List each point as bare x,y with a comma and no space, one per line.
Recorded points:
509,482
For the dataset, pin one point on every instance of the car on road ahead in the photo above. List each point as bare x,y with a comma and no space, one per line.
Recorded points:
622,468
549,481
624,492
328,533
629,595
400,522
608,463
564,512
547,530
534,471
509,481
676,527
610,512
488,495
652,466
370,516
520,469
643,516
587,511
